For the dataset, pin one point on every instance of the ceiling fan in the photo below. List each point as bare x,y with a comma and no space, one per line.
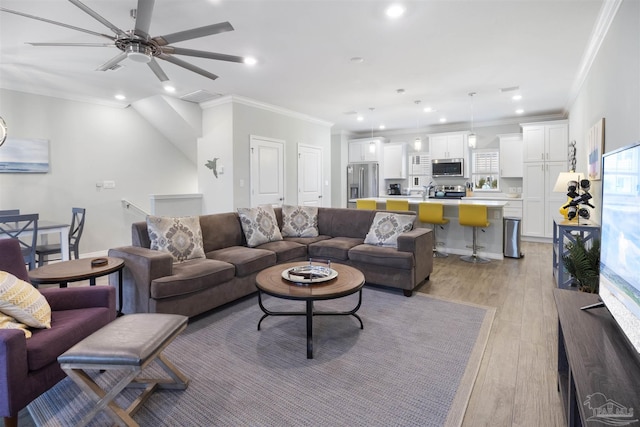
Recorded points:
138,46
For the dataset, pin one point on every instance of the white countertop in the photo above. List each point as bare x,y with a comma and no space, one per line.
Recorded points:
446,202
498,196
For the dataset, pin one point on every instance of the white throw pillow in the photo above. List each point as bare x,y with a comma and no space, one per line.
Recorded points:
299,221
23,302
386,227
259,225
180,236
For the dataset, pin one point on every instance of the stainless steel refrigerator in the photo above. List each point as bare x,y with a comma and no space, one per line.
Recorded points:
362,180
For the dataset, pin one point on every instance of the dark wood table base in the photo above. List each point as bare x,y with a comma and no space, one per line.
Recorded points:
309,313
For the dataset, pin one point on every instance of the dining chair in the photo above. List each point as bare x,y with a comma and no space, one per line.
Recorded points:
17,227
75,232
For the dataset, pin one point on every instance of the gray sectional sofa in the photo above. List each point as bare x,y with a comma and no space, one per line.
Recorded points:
153,283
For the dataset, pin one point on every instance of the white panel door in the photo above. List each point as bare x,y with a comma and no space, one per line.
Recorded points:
267,171
309,175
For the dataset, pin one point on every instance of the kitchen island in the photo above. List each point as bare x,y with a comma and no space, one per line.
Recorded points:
455,236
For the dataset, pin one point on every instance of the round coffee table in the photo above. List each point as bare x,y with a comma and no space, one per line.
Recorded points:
271,282
76,270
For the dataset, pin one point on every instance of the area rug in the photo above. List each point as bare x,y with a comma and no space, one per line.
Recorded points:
413,364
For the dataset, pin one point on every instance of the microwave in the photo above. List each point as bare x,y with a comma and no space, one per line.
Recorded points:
447,167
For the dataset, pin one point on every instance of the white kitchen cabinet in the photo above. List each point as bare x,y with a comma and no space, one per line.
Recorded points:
395,161
448,145
360,150
513,208
511,147
545,141
540,204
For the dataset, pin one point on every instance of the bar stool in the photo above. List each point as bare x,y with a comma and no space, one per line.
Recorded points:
397,205
366,204
474,216
433,213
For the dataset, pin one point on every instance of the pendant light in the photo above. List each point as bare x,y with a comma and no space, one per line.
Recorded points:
372,143
472,139
417,143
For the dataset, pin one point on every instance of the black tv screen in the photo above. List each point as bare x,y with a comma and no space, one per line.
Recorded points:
620,239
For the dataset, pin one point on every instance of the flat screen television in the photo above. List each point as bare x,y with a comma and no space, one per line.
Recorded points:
620,239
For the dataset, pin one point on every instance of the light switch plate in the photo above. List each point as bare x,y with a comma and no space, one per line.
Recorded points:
109,184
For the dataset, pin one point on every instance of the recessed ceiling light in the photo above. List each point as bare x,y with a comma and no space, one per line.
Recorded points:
519,111
168,86
120,97
394,11
250,60
516,97
382,127
360,118
443,119
428,110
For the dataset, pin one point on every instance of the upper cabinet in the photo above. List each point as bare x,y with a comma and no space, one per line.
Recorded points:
365,150
395,164
511,148
448,145
545,141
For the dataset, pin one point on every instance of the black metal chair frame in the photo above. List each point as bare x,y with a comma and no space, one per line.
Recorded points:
75,232
14,225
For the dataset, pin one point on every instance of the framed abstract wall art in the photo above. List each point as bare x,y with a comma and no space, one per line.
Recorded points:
595,148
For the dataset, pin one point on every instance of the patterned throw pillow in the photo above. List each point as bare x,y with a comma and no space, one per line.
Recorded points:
299,221
8,322
386,227
23,302
181,236
259,225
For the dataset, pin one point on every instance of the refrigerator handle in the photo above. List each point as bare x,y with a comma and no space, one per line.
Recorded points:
360,180
376,191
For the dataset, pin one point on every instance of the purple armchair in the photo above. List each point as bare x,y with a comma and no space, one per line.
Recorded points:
29,367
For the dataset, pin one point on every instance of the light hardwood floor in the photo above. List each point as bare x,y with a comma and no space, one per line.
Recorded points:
516,384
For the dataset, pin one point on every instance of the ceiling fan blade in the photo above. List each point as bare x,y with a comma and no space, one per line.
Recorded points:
61,24
153,64
202,54
193,33
143,18
113,61
188,66
74,44
86,9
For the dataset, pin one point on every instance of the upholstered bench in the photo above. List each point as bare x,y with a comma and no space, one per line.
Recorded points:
128,344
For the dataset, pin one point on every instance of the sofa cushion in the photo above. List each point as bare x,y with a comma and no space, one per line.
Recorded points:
382,256
286,250
299,221
68,327
23,302
259,225
221,230
246,260
386,227
179,236
340,222
192,276
307,240
336,248
8,322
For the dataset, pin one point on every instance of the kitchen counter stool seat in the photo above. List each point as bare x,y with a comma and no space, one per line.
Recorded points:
397,205
366,204
433,213
474,216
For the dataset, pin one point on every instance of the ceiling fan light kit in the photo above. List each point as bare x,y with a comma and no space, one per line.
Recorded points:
138,46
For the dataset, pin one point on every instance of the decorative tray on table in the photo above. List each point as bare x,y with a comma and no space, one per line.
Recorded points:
308,274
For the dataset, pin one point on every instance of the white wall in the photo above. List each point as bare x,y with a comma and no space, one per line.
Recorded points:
611,90
247,118
90,143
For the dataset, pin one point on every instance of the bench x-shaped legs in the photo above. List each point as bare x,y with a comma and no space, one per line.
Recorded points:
104,400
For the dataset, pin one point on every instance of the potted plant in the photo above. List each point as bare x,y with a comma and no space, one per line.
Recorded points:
583,263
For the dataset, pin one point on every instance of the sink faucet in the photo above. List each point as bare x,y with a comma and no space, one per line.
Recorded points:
427,189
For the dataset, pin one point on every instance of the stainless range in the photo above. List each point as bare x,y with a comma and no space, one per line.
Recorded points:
448,192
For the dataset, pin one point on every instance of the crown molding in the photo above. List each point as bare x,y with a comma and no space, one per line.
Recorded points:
263,106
